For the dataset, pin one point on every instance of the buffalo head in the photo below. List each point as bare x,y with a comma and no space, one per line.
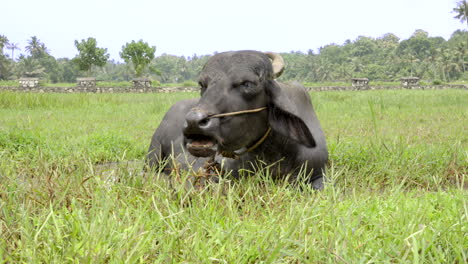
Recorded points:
235,82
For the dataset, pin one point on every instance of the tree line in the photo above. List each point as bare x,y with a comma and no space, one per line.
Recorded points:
386,58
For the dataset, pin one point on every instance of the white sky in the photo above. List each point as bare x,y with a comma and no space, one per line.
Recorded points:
187,27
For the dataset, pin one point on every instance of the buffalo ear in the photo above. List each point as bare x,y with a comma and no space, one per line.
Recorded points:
284,115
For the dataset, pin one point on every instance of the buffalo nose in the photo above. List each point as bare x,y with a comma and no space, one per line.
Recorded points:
197,120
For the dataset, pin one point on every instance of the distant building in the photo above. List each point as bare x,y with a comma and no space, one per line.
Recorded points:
359,82
408,82
27,82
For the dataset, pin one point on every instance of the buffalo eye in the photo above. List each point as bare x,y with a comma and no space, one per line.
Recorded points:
247,84
249,89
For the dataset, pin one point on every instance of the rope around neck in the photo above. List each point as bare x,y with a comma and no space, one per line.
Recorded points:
236,154
258,142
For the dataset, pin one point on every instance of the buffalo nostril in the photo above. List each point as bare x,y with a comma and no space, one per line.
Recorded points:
197,120
204,122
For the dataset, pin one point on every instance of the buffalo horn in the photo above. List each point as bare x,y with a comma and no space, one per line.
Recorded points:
277,62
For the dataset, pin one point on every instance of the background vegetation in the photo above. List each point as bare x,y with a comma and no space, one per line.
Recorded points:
397,190
387,58
89,54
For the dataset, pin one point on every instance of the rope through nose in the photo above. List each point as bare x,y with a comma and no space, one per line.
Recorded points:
238,112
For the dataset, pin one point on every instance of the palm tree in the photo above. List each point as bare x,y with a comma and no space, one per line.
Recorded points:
33,45
43,49
447,61
13,46
460,50
3,43
36,48
462,11
412,59
432,54
30,67
324,70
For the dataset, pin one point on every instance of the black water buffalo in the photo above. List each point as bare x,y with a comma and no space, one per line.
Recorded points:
244,116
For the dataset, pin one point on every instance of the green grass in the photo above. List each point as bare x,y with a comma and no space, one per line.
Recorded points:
184,84
113,84
48,84
460,82
397,190
8,83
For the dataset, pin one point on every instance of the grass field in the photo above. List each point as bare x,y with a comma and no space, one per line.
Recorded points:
397,186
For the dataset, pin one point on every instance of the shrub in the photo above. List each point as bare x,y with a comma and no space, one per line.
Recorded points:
155,83
189,84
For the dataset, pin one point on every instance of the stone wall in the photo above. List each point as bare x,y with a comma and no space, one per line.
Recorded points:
141,83
196,89
88,82
360,83
420,87
28,82
409,81
96,89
